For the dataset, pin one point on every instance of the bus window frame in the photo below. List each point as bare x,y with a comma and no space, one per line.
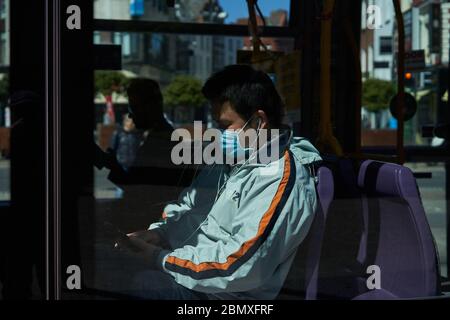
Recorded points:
291,31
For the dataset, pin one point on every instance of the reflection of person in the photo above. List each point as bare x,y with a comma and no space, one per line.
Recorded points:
125,143
146,111
149,181
235,231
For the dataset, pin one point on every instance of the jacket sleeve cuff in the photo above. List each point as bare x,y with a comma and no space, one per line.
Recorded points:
158,227
161,259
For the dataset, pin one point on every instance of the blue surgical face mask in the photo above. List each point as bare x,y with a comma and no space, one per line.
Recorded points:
231,146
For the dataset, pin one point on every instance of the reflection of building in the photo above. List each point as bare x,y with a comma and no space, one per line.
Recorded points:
155,10
278,18
4,33
191,10
231,46
112,9
207,53
199,60
160,56
149,55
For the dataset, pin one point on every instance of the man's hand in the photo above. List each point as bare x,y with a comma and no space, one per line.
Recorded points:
151,237
140,249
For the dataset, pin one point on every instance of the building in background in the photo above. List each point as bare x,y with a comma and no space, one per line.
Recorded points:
231,47
377,42
445,33
208,54
5,118
376,55
367,42
4,34
426,30
383,46
162,56
148,55
198,61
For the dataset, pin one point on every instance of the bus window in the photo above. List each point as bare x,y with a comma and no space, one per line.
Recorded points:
425,72
132,209
175,66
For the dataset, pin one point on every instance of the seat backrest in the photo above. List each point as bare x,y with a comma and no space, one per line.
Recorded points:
339,264
325,195
397,235
302,279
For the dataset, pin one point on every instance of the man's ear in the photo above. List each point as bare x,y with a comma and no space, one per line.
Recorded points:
264,120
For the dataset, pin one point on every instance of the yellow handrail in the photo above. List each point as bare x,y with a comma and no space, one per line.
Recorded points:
326,141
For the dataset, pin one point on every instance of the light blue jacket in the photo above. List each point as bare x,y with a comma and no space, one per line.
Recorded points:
235,235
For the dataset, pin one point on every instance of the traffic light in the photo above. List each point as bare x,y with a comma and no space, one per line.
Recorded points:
410,81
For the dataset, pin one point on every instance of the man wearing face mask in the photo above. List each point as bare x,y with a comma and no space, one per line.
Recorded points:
234,232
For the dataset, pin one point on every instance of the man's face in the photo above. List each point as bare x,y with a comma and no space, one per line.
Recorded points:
226,117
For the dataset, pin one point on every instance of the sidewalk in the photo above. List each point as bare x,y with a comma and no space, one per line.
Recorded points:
4,164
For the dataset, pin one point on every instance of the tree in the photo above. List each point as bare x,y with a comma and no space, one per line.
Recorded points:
184,91
377,94
107,82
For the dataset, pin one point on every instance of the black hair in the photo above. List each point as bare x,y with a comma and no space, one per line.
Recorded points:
247,90
146,90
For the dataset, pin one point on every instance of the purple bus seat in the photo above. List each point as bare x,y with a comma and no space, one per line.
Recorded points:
325,195
397,236
339,265
302,280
